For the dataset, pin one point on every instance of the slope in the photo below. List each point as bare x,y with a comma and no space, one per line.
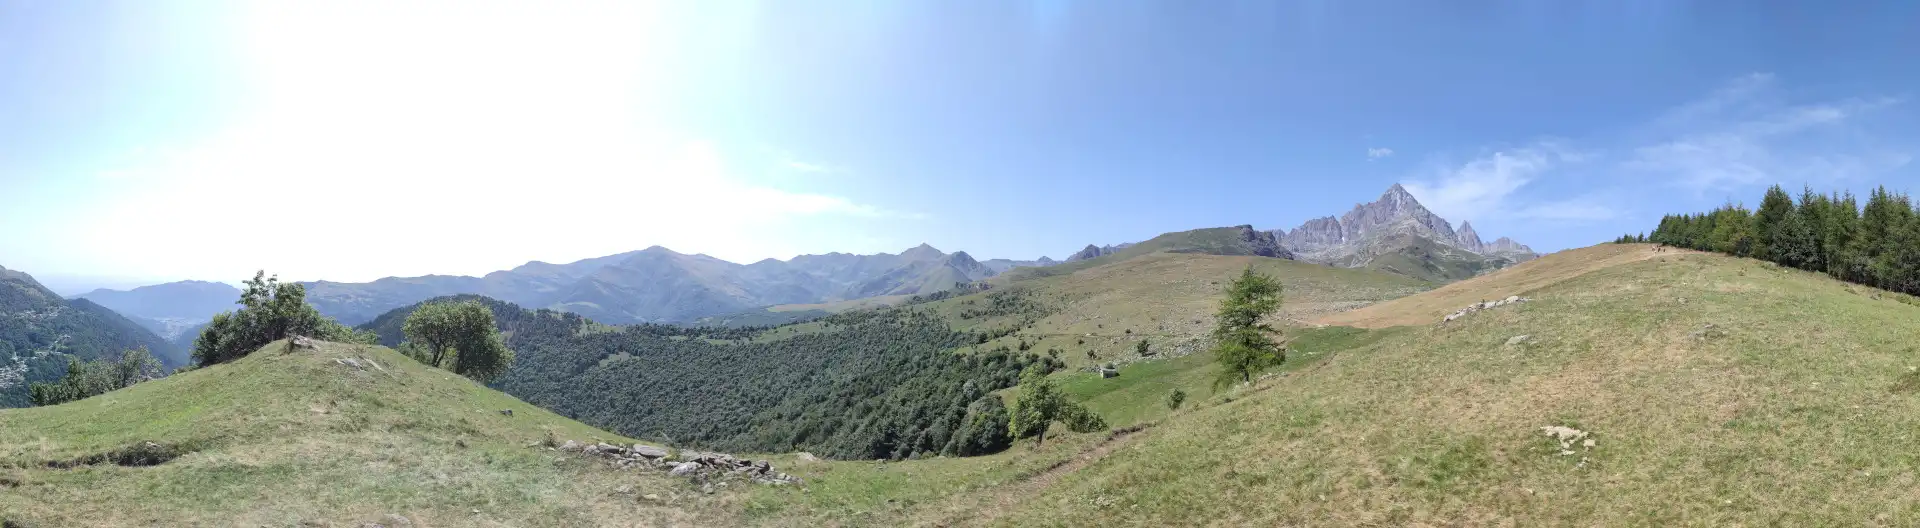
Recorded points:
289,437
1240,240
39,331
1717,391
1517,280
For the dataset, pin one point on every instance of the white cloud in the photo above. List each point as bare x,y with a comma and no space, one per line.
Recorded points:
1480,188
1378,152
1743,135
801,166
533,135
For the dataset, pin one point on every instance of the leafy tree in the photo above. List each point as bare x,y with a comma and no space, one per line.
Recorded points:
86,379
269,311
884,383
1244,345
1041,403
459,336
984,431
1175,398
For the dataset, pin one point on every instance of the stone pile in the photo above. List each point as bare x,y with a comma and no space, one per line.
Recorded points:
698,466
1486,305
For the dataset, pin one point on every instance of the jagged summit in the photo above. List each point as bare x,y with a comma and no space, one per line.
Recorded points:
1354,238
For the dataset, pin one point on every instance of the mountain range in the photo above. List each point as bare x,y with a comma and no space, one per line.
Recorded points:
660,285
1396,233
172,310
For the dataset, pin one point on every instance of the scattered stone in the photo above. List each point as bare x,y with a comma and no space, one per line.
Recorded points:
701,467
1517,340
651,497
1707,331
301,342
348,362
1567,437
1484,305
808,457
624,490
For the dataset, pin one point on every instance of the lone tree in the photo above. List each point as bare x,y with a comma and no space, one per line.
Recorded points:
1040,404
459,336
1243,344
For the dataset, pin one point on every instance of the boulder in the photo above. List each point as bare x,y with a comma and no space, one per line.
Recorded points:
685,469
1516,340
570,446
649,451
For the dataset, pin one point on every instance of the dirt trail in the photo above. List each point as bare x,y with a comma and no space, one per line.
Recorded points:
985,507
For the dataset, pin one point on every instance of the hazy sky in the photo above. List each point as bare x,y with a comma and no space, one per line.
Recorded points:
143,141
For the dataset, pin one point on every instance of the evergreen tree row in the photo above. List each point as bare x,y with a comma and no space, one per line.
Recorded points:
1877,245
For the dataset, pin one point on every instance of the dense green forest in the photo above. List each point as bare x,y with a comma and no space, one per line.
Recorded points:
1876,245
874,384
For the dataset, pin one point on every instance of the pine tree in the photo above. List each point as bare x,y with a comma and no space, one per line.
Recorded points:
1244,345
1768,221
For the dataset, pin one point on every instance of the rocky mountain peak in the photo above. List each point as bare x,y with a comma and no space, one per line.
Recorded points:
1091,251
1396,213
1468,239
922,252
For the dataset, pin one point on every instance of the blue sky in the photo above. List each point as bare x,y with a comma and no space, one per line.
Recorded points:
146,141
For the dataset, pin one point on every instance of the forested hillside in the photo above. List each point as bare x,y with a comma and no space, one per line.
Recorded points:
867,384
39,332
1878,245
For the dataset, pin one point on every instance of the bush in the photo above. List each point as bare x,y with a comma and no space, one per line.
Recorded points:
1176,398
269,311
86,379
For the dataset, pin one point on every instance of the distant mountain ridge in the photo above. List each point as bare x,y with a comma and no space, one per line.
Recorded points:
660,285
171,310
1389,226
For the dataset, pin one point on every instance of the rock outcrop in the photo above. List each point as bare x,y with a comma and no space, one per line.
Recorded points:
701,467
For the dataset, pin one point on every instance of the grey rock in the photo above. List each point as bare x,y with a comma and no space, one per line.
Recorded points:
1516,340
570,446
685,469
649,451
1347,240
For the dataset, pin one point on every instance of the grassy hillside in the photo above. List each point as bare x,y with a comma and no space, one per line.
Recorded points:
283,438
1210,241
1167,299
1424,259
1718,391
1518,280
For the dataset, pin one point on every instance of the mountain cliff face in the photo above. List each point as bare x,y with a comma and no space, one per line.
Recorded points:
1395,225
659,285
